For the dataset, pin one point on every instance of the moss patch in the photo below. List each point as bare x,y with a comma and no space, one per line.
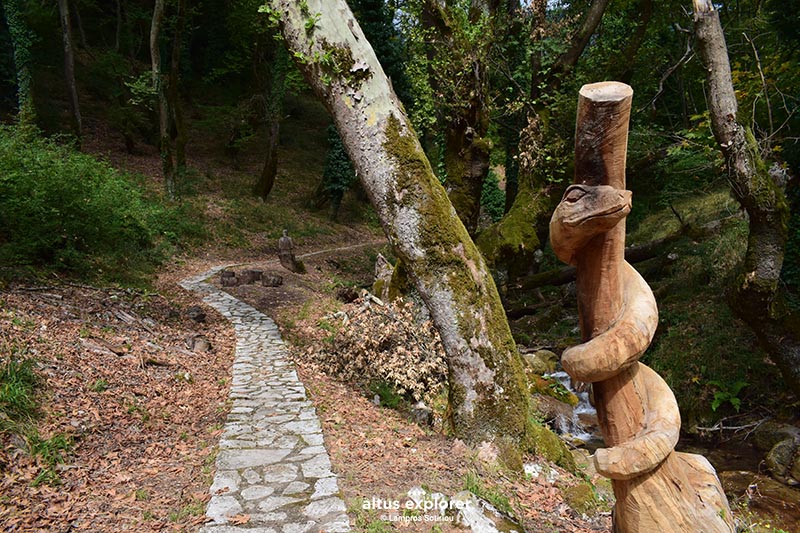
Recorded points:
543,441
582,498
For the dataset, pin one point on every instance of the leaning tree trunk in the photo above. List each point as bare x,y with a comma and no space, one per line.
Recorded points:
757,297
487,385
69,67
656,488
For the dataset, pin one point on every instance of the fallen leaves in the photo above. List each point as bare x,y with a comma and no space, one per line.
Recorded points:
113,367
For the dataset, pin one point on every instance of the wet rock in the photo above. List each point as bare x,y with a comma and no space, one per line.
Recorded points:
540,361
770,433
551,409
783,461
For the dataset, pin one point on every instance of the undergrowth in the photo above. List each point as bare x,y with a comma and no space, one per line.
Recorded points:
66,212
19,408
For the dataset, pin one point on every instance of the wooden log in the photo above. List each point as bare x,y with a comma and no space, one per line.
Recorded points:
656,488
564,275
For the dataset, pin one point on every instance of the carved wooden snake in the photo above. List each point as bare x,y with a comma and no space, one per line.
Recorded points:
656,488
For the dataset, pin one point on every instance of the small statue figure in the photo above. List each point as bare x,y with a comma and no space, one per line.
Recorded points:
383,277
286,254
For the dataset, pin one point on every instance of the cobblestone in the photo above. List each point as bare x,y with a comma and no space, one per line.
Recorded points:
272,464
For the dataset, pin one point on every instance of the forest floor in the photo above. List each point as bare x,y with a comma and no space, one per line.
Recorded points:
132,406
133,384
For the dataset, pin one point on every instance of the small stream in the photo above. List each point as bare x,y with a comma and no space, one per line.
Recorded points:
582,429
739,465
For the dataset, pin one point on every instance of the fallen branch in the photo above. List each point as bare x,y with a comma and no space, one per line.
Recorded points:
562,276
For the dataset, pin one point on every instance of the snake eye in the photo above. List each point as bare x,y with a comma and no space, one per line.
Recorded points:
574,193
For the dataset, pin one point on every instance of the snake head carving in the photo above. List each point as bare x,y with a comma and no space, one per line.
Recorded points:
584,212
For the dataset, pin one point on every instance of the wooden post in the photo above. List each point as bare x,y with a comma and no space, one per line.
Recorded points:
657,489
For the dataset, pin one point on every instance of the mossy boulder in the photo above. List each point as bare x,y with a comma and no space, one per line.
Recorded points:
551,387
770,433
582,498
550,408
783,461
540,361
543,441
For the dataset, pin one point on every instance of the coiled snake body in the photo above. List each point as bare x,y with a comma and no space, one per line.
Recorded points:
657,489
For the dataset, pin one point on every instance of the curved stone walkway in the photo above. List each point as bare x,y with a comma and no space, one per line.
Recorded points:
272,465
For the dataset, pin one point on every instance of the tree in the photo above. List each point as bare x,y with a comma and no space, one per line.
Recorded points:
277,65
164,146
510,243
487,386
170,117
69,66
757,296
22,39
458,42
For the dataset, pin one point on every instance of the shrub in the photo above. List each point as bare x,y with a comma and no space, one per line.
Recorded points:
66,211
385,347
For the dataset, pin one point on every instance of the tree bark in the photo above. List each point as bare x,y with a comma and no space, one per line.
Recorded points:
178,134
274,93
266,179
22,39
69,67
757,297
487,385
164,144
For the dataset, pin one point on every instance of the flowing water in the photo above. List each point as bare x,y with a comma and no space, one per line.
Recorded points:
738,463
581,429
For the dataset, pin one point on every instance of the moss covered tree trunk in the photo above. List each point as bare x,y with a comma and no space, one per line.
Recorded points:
274,92
487,385
757,296
22,39
466,146
178,134
510,243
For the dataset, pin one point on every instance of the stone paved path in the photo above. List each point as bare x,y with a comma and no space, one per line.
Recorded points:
272,464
